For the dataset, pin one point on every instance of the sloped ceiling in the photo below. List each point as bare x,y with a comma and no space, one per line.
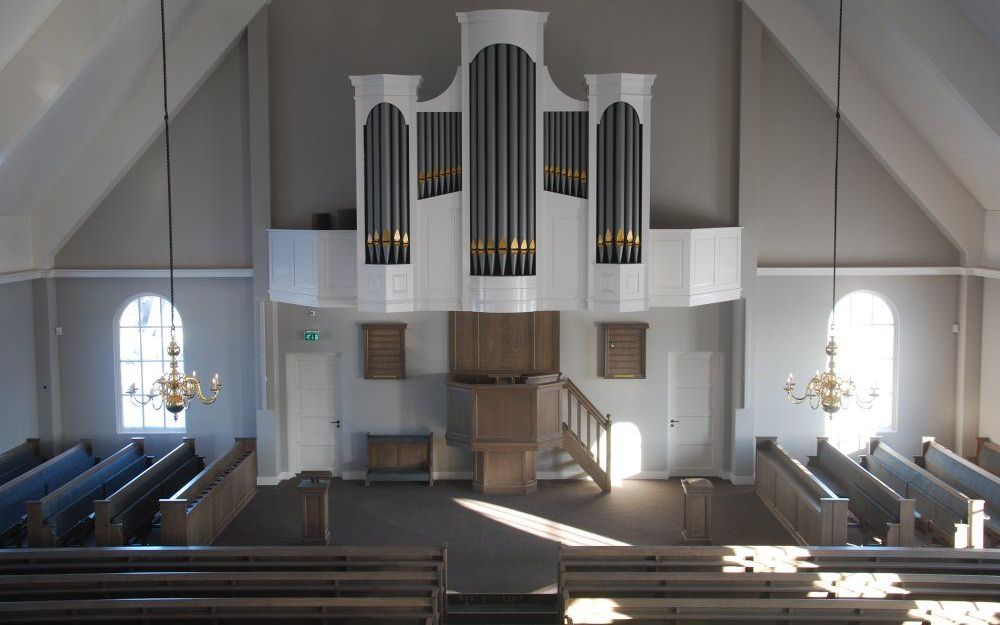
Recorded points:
81,94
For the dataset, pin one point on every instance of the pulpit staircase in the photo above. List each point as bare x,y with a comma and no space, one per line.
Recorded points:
586,434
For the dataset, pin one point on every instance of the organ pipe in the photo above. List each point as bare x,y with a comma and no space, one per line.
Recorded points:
439,154
502,136
387,183
565,153
619,185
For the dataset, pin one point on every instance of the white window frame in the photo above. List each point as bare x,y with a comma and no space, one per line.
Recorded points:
119,418
894,426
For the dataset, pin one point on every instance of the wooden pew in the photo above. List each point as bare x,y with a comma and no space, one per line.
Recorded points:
807,508
128,513
35,484
967,478
20,459
988,455
761,583
879,509
366,576
942,509
68,511
203,507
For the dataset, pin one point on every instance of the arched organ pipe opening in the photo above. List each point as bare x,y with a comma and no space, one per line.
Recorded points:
387,187
619,185
502,147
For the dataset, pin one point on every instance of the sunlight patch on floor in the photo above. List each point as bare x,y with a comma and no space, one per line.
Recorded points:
539,526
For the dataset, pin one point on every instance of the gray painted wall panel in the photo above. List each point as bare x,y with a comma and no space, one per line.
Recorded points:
879,223
18,413
210,160
218,336
791,327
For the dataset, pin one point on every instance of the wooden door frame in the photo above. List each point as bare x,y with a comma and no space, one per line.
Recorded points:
291,405
717,401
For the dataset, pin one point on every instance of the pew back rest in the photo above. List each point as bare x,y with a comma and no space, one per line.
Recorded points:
807,508
935,499
151,478
96,477
204,479
964,476
42,480
17,460
988,455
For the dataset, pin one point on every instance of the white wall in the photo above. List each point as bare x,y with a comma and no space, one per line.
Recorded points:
989,403
18,406
218,335
791,328
419,403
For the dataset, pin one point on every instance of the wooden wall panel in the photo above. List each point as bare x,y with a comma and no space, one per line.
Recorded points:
503,342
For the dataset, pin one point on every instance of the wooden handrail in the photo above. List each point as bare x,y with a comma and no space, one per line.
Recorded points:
577,394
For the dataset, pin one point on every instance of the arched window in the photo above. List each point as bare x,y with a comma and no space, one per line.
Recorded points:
866,335
142,332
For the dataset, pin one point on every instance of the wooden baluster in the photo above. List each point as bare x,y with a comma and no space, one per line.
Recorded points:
579,418
607,451
589,419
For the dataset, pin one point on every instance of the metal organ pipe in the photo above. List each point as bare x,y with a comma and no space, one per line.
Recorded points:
502,130
387,180
565,153
439,153
619,185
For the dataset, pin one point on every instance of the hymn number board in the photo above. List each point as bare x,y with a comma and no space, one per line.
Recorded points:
624,350
385,351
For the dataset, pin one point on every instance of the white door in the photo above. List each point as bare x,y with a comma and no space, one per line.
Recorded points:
312,409
694,422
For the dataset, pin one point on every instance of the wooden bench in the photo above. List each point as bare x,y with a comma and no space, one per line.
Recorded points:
203,507
128,513
400,455
20,459
811,512
966,477
988,455
880,510
67,512
37,483
956,518
383,609
33,581
601,584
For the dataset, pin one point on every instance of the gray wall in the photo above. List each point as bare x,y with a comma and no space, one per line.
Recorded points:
419,403
210,165
791,329
691,45
879,223
18,408
218,335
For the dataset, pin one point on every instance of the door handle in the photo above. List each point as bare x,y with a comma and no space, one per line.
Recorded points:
337,423
673,421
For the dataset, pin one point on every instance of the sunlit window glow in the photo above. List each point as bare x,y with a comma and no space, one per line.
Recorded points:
142,333
865,328
539,526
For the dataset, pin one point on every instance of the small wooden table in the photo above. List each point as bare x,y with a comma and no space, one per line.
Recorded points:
400,455
314,491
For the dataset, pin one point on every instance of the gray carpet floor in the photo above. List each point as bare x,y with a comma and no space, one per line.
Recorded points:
505,544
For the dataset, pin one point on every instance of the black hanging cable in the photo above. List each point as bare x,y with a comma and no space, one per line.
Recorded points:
166,136
836,161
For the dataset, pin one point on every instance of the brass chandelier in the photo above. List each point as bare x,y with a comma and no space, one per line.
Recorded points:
828,390
173,390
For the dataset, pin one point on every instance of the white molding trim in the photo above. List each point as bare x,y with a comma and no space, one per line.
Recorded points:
20,276
799,272
273,480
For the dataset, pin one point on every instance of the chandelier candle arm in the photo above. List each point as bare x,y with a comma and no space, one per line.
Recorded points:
174,390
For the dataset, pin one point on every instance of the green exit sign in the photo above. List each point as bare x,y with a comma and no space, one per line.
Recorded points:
310,335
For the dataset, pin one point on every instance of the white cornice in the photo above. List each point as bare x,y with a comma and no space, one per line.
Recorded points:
21,276
800,272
